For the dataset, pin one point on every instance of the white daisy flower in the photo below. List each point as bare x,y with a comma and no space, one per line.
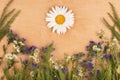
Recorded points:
60,19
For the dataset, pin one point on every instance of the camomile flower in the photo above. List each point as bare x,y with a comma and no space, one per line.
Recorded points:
60,19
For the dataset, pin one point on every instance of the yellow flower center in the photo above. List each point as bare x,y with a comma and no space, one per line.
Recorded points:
60,19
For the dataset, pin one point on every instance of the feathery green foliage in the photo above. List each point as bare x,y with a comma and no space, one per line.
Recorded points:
6,19
115,28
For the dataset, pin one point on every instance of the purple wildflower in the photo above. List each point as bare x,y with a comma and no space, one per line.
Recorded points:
108,56
90,65
105,48
34,64
32,48
26,50
64,70
99,43
98,72
92,42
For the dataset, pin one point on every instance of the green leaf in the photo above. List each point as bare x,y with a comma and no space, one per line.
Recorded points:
116,20
4,49
5,18
5,9
114,11
115,17
5,29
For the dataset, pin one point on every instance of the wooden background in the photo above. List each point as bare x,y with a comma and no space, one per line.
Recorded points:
31,23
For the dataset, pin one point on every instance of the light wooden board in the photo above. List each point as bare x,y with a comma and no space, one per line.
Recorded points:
31,23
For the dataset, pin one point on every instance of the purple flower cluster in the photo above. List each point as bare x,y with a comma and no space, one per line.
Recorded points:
107,56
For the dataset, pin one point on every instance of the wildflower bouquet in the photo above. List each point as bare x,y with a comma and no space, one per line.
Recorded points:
101,62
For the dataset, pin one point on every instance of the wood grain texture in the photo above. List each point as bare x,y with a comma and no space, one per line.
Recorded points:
31,23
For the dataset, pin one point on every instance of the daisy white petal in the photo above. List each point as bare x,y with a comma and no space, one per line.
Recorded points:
60,19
